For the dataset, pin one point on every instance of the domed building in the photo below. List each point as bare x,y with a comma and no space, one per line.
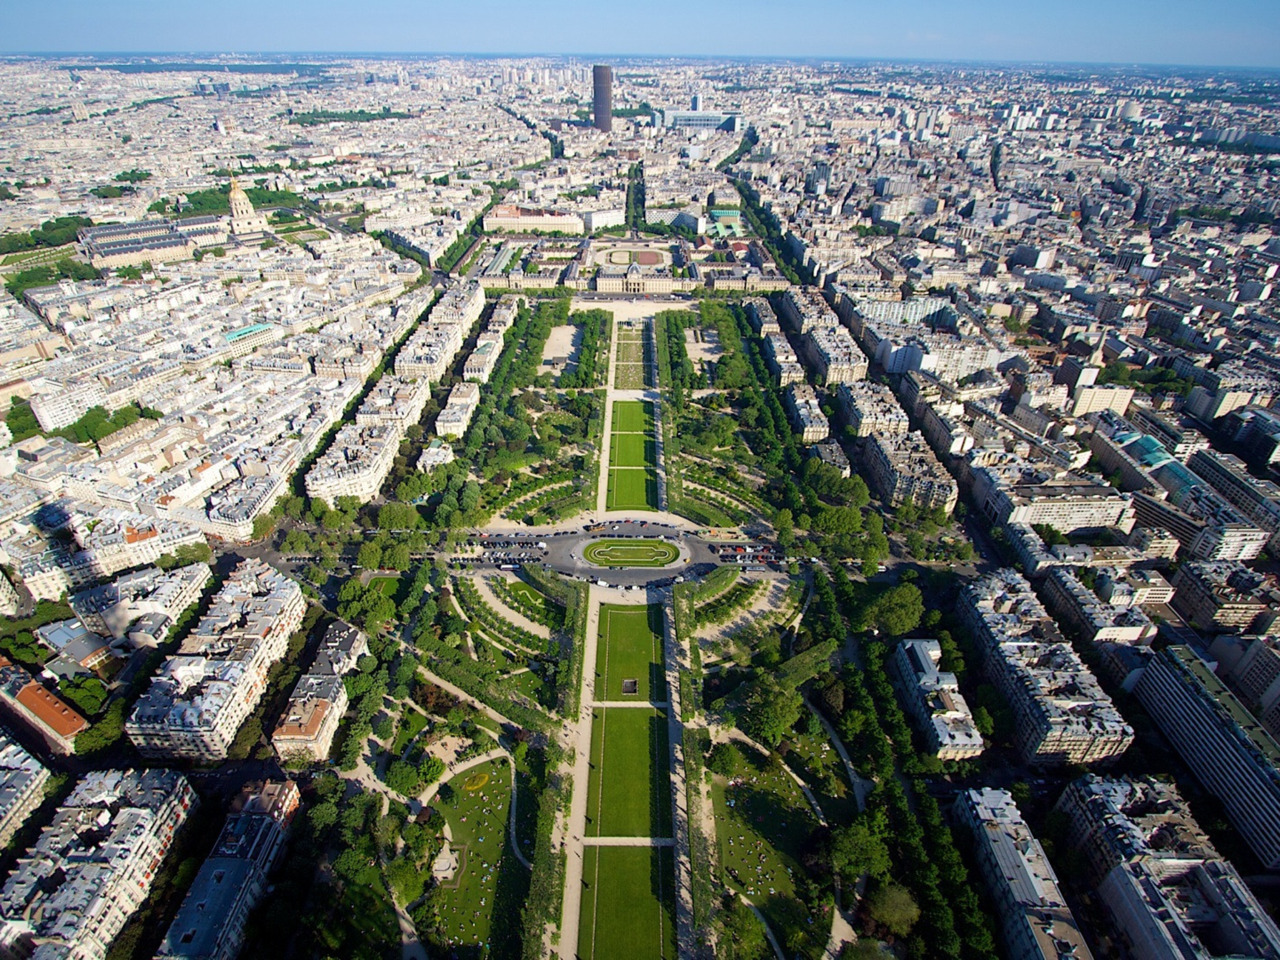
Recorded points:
246,222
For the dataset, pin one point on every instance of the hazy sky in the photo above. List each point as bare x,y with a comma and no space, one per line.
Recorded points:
1208,32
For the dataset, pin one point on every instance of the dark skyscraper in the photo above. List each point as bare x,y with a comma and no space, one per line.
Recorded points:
602,103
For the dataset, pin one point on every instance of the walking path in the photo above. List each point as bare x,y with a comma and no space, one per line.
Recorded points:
860,786
646,704
411,947
579,735
465,697
677,664
768,932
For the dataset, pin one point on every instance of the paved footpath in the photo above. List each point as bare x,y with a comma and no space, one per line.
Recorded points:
576,828
677,663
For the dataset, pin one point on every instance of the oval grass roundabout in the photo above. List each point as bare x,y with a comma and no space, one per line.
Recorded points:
631,553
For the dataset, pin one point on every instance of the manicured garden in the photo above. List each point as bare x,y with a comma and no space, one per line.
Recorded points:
632,416
631,553
632,450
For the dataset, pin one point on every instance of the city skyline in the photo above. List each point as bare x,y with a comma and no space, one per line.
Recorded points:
1186,33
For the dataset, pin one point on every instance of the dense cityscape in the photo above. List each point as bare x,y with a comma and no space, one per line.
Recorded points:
524,507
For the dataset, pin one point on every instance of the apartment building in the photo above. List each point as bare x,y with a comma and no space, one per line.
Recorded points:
1229,751
934,701
319,699
199,697
833,355
761,316
71,893
806,413
22,780
138,608
902,469
1225,597
1035,921
210,924
40,711
464,400
781,359
1169,892
1067,503
1096,621
1061,713
1207,526
1259,500
870,408
355,465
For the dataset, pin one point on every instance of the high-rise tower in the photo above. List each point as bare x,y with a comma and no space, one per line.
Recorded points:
602,102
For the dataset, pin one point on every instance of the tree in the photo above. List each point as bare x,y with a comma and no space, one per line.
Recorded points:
743,936
397,558
323,816
893,907
899,610
860,848
722,760
404,778
369,555
770,711
263,524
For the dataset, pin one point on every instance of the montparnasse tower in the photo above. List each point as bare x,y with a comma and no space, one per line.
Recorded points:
245,221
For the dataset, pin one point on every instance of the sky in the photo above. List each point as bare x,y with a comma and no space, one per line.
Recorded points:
1228,33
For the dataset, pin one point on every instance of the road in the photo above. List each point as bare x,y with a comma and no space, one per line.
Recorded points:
564,551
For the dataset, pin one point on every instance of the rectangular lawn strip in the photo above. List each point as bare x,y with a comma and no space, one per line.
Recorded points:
632,450
632,416
629,750
761,840
632,489
628,904
630,351
476,804
630,648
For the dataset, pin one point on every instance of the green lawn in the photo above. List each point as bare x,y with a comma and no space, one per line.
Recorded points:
630,553
632,450
412,723
632,489
630,648
633,416
476,805
629,749
630,351
389,586
628,904
761,840
814,758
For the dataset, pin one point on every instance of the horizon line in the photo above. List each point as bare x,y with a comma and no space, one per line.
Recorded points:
730,58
